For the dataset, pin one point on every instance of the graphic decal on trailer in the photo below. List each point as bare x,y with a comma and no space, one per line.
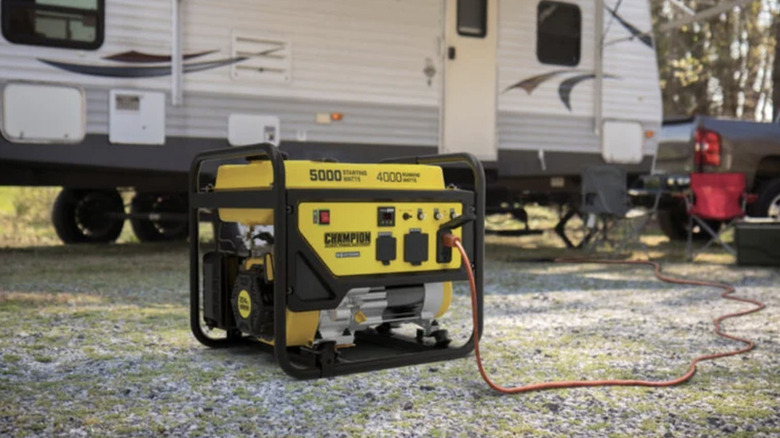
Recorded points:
644,37
111,71
133,56
566,86
126,69
530,84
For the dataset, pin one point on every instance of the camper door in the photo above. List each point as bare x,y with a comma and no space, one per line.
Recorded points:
468,110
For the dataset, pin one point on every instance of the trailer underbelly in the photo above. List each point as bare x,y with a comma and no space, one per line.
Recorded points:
96,163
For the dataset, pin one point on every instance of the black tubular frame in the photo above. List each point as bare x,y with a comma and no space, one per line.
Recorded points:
278,198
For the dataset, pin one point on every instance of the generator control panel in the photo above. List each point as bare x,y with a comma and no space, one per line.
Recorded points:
358,238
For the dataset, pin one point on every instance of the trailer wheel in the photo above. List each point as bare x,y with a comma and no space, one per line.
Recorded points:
84,216
673,222
768,204
159,230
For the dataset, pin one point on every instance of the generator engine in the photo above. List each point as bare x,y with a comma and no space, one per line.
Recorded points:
332,264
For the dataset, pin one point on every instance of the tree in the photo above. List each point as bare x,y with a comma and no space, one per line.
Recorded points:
721,66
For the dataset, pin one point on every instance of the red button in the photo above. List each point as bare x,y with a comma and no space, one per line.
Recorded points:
324,217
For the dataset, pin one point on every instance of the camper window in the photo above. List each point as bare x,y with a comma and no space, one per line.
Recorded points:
472,18
75,24
558,33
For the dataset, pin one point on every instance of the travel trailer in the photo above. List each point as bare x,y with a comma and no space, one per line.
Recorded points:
103,94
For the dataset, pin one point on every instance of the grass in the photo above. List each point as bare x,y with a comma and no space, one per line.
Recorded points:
95,340
7,197
25,218
25,221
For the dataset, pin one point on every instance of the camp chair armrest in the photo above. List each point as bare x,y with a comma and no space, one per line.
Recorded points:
748,198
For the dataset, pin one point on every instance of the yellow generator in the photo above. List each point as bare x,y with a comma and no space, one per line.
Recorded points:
335,267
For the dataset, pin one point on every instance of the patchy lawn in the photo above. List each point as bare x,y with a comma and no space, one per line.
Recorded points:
94,340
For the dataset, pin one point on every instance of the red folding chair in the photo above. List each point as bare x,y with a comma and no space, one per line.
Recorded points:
718,197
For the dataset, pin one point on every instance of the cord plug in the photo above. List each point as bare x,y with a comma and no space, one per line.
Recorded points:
448,239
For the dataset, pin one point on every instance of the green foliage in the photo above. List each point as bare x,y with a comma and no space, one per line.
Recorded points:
6,200
721,66
25,217
32,205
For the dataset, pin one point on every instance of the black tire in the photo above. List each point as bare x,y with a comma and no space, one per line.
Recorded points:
159,230
768,203
80,216
673,221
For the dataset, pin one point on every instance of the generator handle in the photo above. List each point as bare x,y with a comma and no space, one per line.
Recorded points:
276,158
479,205
233,153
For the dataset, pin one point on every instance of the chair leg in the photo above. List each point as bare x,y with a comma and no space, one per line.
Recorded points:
723,244
715,236
560,229
606,225
593,236
689,245
635,233
637,225
609,226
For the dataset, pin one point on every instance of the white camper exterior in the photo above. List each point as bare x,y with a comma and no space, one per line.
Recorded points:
348,79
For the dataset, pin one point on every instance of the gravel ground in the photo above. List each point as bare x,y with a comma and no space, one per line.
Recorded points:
95,342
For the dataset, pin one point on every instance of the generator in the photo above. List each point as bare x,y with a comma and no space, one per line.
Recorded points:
334,267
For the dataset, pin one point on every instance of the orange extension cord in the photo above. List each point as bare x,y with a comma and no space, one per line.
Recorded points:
453,241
